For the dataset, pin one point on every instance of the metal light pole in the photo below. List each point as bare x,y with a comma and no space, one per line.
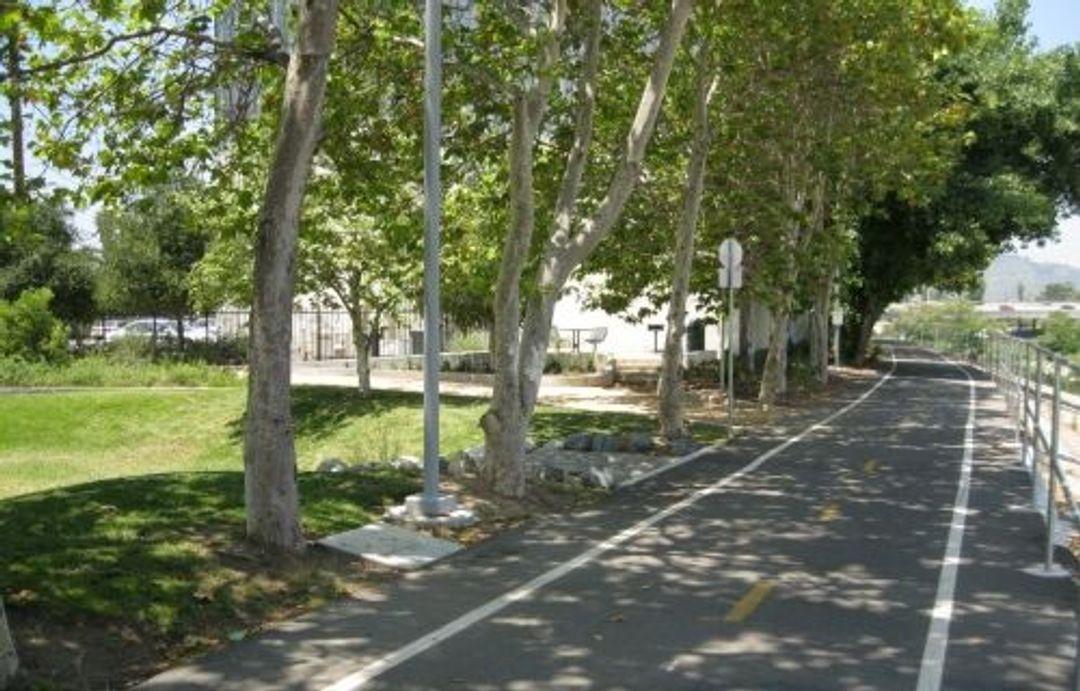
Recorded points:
432,223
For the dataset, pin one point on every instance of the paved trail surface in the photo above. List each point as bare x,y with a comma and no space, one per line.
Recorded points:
883,549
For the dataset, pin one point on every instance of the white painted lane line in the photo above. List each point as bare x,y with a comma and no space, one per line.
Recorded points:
932,667
380,666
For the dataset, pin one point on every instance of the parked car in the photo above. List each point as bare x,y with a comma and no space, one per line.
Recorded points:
142,328
201,330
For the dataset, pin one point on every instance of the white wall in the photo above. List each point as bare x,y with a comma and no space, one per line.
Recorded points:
627,338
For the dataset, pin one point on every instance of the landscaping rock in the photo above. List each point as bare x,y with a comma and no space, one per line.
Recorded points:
601,477
456,468
582,441
471,460
684,446
640,442
410,464
604,442
332,465
530,445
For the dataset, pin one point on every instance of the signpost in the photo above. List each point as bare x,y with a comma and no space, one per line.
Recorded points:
731,256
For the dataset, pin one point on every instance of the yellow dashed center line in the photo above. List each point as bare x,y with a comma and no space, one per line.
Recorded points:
870,467
749,602
829,512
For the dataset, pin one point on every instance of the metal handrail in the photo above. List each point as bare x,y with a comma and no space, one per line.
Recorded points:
1028,375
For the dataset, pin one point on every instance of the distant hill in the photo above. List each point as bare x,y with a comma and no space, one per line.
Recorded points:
1009,271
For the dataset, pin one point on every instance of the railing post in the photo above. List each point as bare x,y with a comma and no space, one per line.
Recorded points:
1024,383
1038,407
1051,481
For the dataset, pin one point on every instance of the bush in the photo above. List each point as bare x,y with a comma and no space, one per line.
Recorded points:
577,363
29,331
1061,334
465,342
225,351
100,370
954,327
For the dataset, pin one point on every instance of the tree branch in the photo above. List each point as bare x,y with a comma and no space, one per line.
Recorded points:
269,54
537,97
583,128
560,261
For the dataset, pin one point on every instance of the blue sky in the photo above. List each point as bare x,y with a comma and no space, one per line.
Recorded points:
1054,22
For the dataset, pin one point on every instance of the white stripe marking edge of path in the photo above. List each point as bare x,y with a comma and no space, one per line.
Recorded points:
932,667
381,665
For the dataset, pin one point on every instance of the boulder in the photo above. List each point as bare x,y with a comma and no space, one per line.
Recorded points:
582,441
640,442
332,465
410,464
471,460
600,477
683,446
604,442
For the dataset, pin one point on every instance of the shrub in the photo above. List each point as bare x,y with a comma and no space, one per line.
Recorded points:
468,341
100,370
225,351
1061,334
29,331
557,363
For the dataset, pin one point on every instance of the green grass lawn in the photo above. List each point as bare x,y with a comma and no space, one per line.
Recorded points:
125,507
50,440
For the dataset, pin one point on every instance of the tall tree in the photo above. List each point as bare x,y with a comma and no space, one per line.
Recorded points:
670,385
271,497
38,249
13,88
1017,170
132,96
519,355
149,249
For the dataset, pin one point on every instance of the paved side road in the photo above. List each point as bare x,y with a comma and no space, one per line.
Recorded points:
884,548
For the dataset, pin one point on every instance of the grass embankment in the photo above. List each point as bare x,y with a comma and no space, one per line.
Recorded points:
121,514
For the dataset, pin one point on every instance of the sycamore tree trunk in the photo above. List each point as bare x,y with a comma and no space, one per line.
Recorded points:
518,357
9,661
746,348
819,330
669,389
15,110
361,338
820,279
774,374
864,332
270,491
504,423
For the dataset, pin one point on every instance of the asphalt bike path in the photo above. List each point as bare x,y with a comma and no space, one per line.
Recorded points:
815,564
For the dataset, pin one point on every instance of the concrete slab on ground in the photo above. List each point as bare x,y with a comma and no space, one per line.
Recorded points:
392,546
